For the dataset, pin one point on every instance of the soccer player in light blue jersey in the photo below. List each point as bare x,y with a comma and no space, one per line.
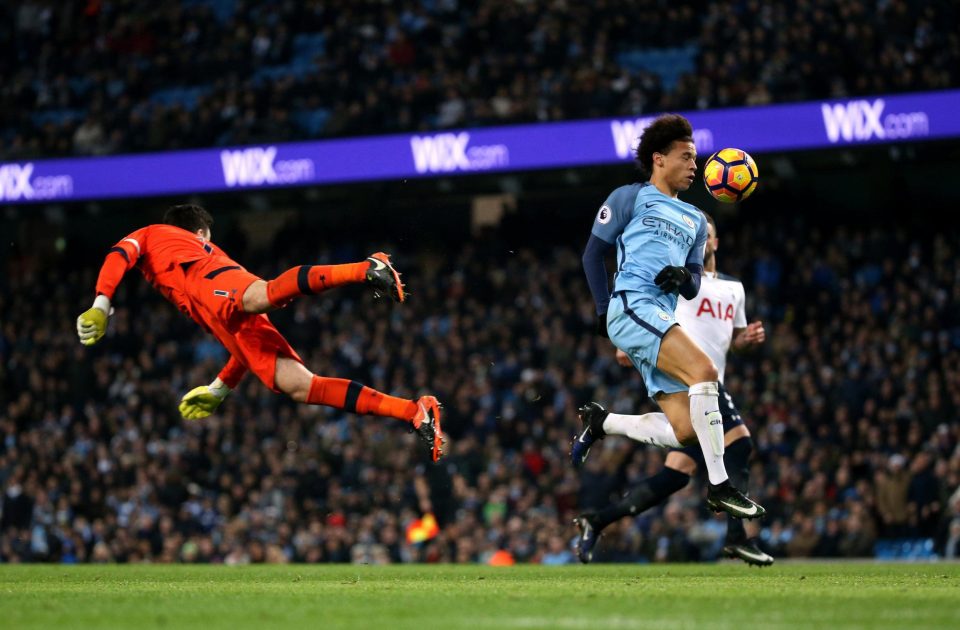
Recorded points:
659,243
717,321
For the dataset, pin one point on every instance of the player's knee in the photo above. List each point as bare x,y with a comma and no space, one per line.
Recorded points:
686,435
292,379
298,394
705,372
681,463
295,389
255,299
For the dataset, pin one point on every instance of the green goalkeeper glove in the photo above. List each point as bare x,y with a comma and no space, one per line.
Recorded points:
92,323
202,401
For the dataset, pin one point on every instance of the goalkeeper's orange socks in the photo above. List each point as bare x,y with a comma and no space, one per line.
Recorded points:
312,279
356,398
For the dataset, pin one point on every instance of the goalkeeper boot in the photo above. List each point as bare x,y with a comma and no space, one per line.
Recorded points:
427,425
724,497
384,278
592,416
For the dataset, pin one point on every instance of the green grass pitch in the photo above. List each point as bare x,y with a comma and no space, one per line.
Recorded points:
665,597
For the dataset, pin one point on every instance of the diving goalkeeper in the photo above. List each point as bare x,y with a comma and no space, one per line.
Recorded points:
229,302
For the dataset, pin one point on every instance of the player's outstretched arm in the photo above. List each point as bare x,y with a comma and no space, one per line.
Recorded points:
202,401
611,219
597,279
92,323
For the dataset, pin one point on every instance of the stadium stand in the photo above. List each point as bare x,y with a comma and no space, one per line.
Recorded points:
96,77
852,404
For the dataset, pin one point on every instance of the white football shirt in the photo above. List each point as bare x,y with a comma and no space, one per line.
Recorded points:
711,317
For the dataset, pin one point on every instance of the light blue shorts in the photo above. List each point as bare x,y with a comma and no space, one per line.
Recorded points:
636,324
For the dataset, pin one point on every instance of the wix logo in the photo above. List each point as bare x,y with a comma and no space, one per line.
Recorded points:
440,153
15,182
257,166
450,152
862,120
19,183
249,167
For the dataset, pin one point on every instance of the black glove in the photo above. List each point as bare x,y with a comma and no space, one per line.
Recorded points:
670,278
602,325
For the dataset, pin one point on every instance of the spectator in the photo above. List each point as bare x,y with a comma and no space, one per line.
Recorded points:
89,138
96,464
857,541
380,67
892,487
804,540
558,552
923,496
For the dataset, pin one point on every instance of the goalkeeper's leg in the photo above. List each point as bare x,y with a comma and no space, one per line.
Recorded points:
264,296
423,414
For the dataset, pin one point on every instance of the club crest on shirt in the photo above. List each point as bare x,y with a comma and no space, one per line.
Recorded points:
689,221
604,215
663,316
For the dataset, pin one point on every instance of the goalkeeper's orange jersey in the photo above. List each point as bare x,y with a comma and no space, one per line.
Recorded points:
163,253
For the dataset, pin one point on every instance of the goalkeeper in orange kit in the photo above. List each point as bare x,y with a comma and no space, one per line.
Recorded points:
179,260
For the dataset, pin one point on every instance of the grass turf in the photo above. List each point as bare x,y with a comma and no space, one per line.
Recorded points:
862,595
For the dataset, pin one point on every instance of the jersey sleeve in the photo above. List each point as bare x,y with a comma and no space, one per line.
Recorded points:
232,373
119,260
596,271
613,216
695,256
740,312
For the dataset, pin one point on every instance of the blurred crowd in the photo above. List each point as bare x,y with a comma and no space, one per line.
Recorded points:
852,403
106,76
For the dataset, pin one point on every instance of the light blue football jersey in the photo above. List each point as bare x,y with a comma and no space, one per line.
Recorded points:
651,231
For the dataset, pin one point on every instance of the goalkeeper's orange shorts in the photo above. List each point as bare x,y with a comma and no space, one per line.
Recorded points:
216,286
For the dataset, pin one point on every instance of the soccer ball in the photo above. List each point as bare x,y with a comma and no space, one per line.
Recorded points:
731,175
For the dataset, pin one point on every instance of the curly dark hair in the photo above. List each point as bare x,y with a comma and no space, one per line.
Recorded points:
188,216
658,137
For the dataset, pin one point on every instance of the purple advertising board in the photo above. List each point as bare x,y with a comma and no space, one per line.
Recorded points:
799,126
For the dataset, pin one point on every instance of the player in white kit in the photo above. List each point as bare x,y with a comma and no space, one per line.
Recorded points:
716,320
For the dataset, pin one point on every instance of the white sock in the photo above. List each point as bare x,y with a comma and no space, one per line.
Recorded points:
708,423
650,428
